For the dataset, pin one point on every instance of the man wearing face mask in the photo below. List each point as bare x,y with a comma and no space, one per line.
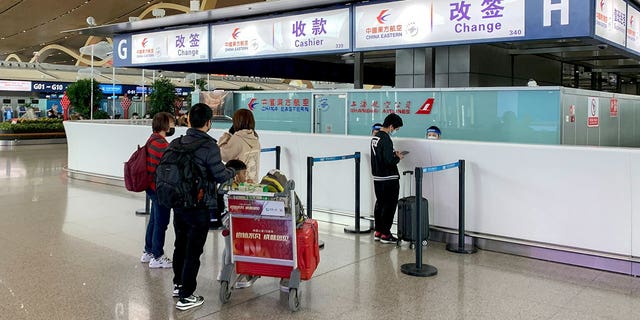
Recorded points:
386,179
433,133
163,125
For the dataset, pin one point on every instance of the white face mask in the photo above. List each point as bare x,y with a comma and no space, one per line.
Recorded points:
432,138
395,132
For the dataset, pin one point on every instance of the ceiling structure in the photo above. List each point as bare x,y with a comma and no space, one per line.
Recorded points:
30,31
28,26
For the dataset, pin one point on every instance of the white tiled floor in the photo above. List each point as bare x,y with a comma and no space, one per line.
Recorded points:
69,250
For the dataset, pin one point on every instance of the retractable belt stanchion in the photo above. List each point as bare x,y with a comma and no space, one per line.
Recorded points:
309,193
147,205
461,247
275,149
356,156
418,269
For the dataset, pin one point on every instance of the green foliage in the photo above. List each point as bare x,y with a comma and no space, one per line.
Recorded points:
79,94
100,114
32,126
201,84
162,96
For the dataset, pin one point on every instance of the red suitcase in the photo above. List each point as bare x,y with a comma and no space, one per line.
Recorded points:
308,250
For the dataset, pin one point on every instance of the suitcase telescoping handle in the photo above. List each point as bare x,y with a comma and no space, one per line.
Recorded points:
410,173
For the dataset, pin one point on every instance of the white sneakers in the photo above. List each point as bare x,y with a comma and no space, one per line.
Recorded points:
146,257
162,262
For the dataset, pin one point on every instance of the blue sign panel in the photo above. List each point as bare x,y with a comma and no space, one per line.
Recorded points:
49,87
111,89
122,50
551,19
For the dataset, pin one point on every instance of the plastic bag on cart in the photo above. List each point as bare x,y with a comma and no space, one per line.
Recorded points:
277,182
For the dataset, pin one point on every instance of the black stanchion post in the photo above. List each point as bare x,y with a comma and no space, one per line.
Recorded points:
418,269
461,247
278,157
147,206
309,186
357,228
310,193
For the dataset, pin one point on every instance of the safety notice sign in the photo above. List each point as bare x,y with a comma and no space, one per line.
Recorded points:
593,112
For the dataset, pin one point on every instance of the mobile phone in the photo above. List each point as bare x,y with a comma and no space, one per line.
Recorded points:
404,153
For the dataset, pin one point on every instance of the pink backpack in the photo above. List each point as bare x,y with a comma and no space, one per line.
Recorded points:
136,176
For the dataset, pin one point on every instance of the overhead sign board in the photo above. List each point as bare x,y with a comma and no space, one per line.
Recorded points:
478,20
111,88
242,39
633,29
182,45
389,24
322,31
611,20
7,85
418,22
49,87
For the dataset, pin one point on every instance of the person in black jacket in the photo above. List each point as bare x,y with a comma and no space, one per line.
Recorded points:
192,225
386,179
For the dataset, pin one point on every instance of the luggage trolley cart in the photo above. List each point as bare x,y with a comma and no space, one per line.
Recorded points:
260,240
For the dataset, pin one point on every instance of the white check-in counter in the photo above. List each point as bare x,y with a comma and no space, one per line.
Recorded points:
575,199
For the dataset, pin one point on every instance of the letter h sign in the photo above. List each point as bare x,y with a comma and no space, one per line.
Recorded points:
559,5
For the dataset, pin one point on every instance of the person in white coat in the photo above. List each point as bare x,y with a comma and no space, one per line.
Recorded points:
242,143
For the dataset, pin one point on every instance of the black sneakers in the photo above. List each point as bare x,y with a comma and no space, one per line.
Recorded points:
176,290
189,302
388,238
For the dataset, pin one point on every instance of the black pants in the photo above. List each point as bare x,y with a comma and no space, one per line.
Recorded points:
387,193
191,226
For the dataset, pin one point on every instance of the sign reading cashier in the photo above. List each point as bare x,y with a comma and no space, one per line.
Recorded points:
315,32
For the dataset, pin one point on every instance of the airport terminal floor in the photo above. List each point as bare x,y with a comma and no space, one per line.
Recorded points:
70,249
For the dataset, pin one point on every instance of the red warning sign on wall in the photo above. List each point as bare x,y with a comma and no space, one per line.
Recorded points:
593,112
613,107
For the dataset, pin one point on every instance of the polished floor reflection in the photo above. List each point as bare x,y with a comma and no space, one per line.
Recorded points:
69,250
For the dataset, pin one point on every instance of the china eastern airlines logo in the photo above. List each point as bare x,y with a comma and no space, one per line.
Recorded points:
236,33
252,104
383,16
603,5
144,42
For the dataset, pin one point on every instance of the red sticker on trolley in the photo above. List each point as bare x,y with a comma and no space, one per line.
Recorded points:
262,238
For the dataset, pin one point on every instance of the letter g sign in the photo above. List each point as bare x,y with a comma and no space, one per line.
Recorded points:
122,49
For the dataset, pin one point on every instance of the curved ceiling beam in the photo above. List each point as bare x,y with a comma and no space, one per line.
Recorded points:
70,52
172,6
14,57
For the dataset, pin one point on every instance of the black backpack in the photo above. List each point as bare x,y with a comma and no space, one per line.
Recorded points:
180,181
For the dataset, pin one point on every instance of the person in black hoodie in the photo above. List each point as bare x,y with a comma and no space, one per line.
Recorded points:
386,179
192,225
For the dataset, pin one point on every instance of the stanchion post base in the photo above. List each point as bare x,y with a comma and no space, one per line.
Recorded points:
352,229
320,244
413,270
142,211
467,249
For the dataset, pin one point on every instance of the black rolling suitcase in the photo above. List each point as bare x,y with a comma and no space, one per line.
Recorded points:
406,216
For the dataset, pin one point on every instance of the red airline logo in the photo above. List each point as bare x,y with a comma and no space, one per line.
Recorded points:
426,107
